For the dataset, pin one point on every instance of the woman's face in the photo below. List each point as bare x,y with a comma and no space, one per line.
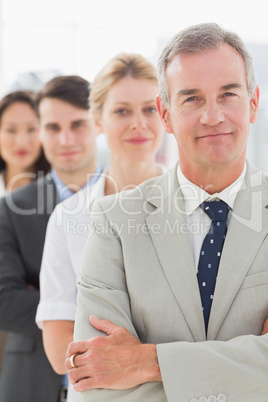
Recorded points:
130,119
19,138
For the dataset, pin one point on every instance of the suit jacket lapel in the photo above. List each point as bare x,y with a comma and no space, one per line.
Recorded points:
247,229
174,251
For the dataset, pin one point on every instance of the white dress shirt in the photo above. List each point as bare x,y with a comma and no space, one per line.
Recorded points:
197,220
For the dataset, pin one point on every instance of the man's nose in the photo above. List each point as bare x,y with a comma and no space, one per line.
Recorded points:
212,114
66,137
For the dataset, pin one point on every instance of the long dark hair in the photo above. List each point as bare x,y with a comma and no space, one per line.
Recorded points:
22,97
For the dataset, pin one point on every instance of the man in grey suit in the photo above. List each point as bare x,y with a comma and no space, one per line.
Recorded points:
68,140
143,271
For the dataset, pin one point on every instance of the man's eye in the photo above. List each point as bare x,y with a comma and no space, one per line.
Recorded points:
229,94
77,124
53,128
32,129
191,99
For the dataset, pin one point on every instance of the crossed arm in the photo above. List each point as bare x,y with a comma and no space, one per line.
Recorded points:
118,361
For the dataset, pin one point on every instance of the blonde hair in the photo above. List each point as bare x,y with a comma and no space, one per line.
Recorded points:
120,66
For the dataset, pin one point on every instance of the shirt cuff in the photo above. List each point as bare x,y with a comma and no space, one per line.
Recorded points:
54,311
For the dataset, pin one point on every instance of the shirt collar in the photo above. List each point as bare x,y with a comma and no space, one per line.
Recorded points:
64,191
193,195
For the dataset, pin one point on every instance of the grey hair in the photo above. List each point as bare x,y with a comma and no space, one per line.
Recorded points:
198,38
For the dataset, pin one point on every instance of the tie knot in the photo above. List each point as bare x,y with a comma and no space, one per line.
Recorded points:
216,210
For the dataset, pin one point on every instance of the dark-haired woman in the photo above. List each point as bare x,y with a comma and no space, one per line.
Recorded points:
21,155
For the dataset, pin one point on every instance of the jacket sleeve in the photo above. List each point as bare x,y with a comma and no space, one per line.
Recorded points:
102,291
18,303
236,368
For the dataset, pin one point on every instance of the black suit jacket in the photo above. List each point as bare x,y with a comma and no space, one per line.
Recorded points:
27,376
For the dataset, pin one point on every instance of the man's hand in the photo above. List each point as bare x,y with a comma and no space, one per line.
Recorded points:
118,361
265,327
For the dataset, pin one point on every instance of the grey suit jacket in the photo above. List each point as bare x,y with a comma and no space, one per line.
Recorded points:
27,376
138,271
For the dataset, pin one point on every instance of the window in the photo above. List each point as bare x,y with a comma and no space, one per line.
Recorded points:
40,39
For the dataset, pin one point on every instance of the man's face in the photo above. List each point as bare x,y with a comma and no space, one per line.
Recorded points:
210,109
67,136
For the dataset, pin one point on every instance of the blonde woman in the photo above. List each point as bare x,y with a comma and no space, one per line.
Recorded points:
123,107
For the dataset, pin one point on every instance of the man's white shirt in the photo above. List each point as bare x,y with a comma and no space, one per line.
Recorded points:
198,221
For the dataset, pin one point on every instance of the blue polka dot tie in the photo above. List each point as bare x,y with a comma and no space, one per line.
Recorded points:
210,254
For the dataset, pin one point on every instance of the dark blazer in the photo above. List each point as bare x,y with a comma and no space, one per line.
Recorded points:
27,375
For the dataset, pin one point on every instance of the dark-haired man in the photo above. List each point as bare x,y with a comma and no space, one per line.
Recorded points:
68,140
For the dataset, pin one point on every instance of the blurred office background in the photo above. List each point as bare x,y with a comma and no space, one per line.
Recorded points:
40,39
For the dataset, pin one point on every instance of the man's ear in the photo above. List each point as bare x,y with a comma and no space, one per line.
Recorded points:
254,105
164,114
